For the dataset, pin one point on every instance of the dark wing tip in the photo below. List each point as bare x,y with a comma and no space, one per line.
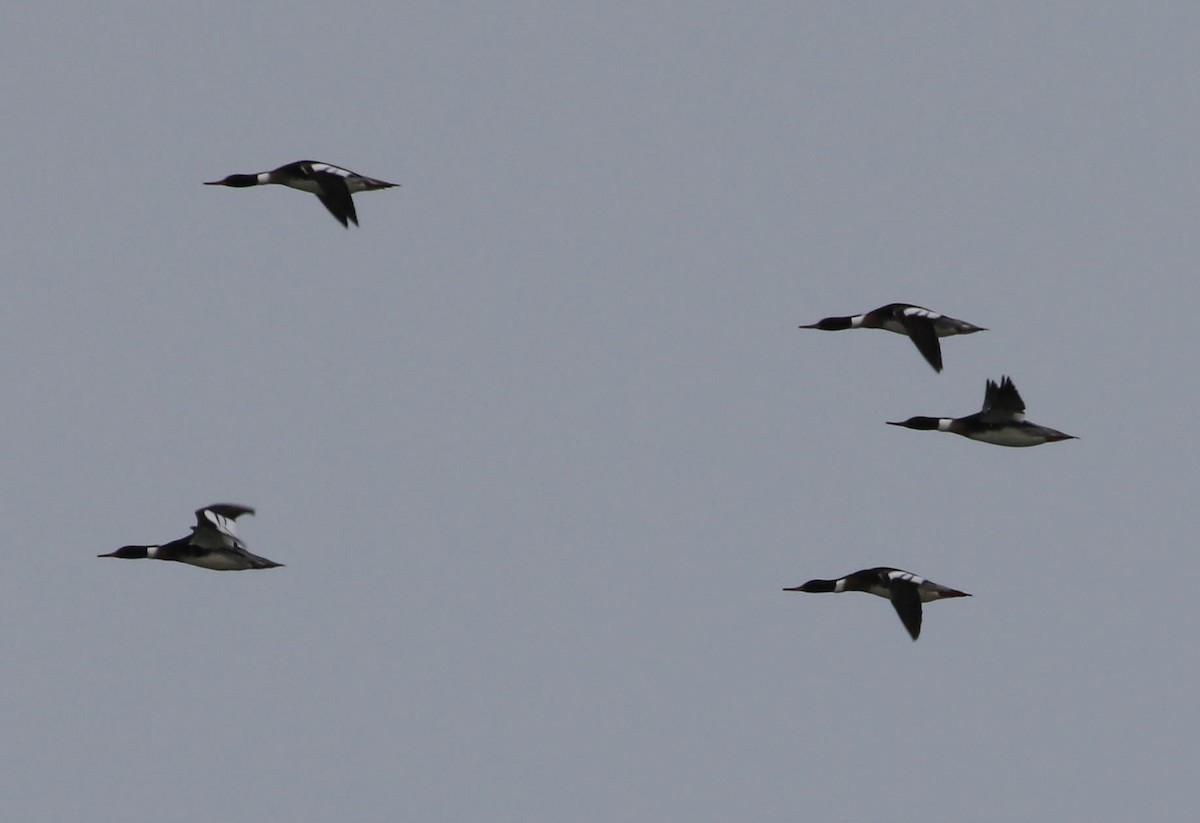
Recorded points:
924,336
907,603
340,204
1008,397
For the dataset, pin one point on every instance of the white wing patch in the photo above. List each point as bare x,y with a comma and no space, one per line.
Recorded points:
224,525
906,576
328,169
917,311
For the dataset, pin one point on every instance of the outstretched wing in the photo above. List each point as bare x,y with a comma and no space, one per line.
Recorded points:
357,182
216,526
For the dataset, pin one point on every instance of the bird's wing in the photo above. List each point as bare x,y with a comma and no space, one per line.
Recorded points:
335,196
356,181
1002,401
921,332
216,526
907,602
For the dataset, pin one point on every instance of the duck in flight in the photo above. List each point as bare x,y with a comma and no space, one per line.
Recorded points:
905,590
1001,421
921,325
332,185
213,543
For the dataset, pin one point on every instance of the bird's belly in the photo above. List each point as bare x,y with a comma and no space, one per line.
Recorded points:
218,562
1009,437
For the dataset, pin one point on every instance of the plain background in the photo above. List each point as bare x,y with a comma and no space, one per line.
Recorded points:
540,443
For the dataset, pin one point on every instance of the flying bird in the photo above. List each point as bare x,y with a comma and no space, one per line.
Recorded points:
1001,421
921,325
213,543
905,590
332,185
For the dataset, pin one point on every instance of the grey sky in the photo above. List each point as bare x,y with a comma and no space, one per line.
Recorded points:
540,443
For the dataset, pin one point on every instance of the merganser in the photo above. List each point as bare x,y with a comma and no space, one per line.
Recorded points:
921,325
1001,421
332,185
213,543
905,590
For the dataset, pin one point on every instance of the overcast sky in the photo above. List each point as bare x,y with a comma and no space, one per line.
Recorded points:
540,443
